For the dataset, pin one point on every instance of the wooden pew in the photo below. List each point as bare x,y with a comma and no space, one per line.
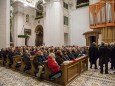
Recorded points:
16,60
7,61
69,71
1,61
33,69
22,66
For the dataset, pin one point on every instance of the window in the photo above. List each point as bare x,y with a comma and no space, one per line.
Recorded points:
82,3
65,20
65,5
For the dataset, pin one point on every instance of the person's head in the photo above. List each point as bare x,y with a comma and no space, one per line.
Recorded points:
26,51
52,55
45,52
38,53
102,43
93,44
112,44
106,44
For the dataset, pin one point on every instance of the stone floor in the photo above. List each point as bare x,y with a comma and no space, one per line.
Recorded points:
91,77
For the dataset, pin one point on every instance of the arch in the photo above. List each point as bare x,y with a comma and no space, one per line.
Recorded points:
39,35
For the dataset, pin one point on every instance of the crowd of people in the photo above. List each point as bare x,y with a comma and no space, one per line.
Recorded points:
54,55
105,52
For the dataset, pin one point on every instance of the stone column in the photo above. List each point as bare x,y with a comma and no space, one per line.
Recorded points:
19,20
53,31
4,23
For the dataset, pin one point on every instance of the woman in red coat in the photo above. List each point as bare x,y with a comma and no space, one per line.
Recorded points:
55,68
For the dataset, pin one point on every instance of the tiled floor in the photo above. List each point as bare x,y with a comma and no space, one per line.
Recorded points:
94,78
91,77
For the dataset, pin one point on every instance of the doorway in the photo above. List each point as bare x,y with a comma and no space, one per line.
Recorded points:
92,36
92,39
39,35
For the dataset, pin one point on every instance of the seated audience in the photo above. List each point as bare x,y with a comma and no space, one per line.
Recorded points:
4,55
59,57
70,54
65,56
38,61
55,68
45,54
10,56
26,59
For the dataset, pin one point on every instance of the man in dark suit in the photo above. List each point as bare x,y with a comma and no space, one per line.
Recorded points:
93,55
113,57
104,58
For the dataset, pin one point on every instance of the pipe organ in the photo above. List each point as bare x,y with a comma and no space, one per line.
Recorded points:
102,16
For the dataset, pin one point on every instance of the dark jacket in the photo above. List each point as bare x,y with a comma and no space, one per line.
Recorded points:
26,59
113,55
70,55
59,59
104,54
38,60
10,56
93,54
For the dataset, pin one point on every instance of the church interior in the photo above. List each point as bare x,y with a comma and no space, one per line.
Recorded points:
57,42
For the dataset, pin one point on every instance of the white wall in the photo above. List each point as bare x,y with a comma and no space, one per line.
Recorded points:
20,23
80,24
4,23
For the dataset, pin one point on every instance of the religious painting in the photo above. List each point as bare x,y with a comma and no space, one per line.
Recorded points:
82,3
27,31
